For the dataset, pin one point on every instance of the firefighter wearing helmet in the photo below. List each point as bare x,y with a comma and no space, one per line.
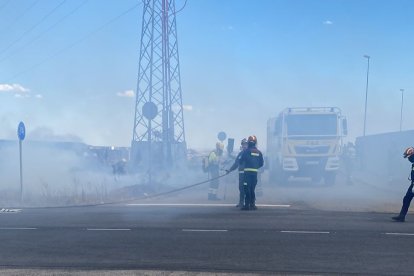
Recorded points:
214,170
252,161
409,154
243,147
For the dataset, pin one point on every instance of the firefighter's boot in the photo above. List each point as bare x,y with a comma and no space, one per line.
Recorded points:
241,201
399,218
245,208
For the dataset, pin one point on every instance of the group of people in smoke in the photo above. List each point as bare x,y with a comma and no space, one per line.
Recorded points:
248,161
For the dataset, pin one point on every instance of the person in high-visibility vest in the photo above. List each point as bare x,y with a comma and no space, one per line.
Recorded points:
214,170
236,165
252,161
409,154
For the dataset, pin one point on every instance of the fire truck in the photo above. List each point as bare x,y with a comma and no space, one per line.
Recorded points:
305,142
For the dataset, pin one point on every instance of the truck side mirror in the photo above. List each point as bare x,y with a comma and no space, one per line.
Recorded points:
344,127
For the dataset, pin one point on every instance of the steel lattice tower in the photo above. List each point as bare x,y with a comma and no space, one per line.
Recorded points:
158,135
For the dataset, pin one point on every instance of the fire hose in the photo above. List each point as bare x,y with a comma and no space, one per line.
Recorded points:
131,199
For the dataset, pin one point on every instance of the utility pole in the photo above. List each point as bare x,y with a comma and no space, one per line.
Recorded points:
366,94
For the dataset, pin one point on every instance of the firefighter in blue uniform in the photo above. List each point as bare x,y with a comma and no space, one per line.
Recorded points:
252,161
243,146
408,153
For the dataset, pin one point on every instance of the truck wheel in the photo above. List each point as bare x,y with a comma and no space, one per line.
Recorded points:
330,178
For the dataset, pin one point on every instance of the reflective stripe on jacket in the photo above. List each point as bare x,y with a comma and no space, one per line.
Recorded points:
251,159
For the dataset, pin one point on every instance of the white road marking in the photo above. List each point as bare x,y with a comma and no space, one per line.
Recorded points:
17,228
204,230
9,211
400,234
273,205
202,204
108,229
306,232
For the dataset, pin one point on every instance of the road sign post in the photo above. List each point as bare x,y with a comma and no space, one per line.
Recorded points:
150,111
21,133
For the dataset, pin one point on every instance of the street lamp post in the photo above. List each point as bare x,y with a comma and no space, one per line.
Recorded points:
402,104
366,94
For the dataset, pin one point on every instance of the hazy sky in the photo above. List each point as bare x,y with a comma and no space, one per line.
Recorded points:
68,68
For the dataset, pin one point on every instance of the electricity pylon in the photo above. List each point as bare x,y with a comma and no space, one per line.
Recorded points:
158,135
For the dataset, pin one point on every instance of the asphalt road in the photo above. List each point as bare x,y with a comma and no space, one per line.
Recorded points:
207,238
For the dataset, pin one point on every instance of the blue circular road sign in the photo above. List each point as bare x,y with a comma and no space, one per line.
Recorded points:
21,131
150,110
222,136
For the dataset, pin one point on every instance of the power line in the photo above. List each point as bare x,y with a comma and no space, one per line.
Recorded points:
33,27
16,19
75,43
185,3
46,31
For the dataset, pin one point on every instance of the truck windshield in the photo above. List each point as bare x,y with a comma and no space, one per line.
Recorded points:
315,124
